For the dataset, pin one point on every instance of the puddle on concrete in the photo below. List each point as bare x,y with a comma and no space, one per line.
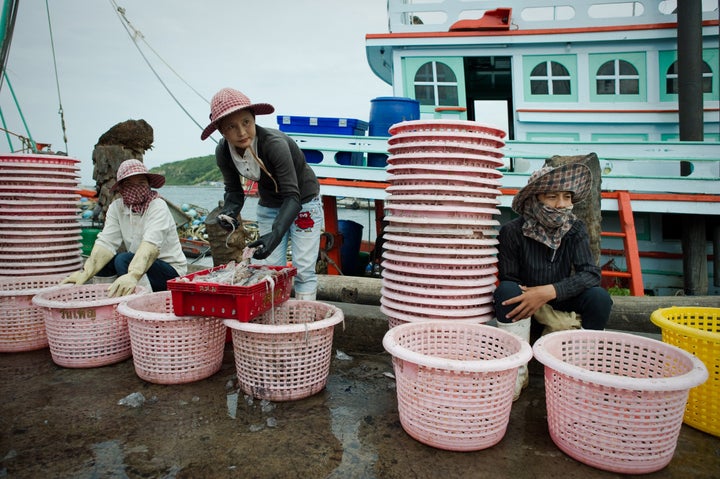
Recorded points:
67,423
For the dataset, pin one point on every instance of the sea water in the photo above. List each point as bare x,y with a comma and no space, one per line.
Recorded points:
208,197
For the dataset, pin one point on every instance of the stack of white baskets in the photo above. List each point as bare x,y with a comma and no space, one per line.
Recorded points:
39,227
440,241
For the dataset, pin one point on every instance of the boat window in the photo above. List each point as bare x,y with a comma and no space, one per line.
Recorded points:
544,14
616,10
671,78
550,78
617,77
436,84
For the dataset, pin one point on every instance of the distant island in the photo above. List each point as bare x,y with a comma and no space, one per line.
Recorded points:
201,170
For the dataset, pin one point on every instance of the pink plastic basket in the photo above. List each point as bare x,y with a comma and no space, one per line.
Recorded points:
83,326
22,324
615,401
285,354
455,381
169,349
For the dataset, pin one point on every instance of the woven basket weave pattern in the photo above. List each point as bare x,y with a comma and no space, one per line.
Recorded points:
277,364
697,331
83,326
169,349
22,324
615,401
450,407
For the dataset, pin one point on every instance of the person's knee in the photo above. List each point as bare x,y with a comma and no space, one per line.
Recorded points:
600,299
504,291
598,305
122,262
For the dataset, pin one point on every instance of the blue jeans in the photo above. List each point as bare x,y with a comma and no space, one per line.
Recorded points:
304,236
158,274
593,305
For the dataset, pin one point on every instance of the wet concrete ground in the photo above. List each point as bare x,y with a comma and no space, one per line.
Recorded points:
67,423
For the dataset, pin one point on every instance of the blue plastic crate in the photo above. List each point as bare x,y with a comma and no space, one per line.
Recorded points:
320,125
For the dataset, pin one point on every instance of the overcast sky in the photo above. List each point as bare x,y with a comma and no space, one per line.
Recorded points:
307,58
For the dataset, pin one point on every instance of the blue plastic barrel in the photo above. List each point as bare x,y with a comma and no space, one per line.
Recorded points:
385,111
350,248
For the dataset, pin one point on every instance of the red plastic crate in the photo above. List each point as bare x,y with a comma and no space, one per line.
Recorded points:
229,301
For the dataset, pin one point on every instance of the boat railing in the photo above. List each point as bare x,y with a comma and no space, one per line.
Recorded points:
440,15
677,169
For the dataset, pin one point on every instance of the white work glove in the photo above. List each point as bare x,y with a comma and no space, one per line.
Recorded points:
145,256
98,258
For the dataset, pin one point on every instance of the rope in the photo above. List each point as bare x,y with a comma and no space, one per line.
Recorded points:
134,35
57,78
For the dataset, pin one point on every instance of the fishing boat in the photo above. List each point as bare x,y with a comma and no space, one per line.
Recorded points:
588,77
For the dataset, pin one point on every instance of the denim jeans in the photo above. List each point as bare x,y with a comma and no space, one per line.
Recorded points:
158,274
304,237
593,305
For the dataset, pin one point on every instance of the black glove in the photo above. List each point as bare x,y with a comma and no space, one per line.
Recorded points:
264,245
227,221
267,243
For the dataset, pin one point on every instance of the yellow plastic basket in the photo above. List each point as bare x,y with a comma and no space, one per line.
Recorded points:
697,331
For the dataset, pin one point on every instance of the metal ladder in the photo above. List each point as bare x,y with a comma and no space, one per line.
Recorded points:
628,234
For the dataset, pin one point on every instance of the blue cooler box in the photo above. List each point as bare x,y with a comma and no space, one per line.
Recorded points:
320,125
326,126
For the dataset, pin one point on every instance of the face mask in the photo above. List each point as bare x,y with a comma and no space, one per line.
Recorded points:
552,217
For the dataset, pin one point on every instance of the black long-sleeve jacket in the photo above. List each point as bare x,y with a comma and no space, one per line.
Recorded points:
571,269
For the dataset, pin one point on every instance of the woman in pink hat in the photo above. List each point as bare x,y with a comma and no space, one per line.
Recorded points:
289,207
141,222
545,265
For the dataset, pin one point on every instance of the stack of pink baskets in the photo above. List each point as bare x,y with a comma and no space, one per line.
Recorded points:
39,228
439,258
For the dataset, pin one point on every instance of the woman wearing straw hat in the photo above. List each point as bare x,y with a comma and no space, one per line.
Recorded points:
544,256
289,206
141,221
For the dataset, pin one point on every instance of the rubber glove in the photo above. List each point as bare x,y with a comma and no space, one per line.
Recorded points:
98,258
144,257
227,221
267,243
233,201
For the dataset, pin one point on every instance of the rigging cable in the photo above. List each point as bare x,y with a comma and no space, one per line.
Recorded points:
30,143
57,79
7,28
135,34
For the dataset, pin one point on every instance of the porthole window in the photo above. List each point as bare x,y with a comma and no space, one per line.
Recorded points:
617,77
436,84
671,78
550,78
